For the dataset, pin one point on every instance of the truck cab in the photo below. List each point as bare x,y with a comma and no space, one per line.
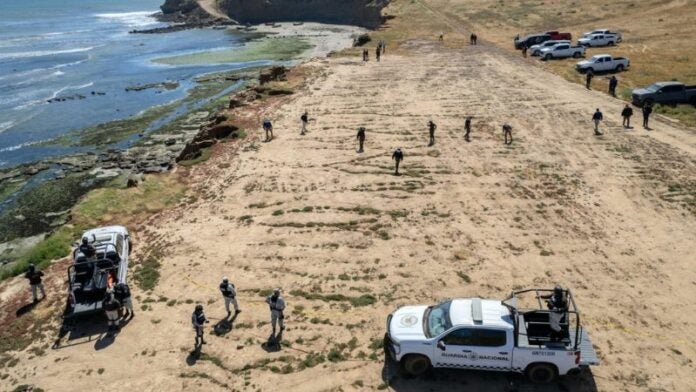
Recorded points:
484,334
89,278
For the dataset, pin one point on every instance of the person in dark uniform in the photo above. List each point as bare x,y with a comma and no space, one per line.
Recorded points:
588,79
558,310
647,111
597,117
626,113
304,119
613,82
467,128
397,156
366,55
361,138
198,320
35,282
268,127
378,53
111,307
87,249
472,39
123,295
431,130
524,50
507,132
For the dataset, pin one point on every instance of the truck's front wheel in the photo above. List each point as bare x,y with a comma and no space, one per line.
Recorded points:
415,365
541,373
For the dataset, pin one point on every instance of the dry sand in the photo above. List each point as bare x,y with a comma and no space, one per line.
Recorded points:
602,215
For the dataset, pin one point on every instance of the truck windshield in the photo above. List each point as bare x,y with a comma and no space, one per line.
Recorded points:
653,88
437,319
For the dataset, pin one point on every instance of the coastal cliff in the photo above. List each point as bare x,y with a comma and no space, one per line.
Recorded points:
364,13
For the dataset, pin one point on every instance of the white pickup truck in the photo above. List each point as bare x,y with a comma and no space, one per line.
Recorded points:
491,335
562,51
598,40
603,63
605,32
535,50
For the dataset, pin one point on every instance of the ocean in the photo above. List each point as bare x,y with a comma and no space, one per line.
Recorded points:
82,48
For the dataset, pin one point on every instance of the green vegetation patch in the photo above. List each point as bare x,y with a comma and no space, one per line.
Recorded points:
363,300
275,49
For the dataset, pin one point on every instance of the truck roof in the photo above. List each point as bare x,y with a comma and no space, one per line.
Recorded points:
105,231
480,312
671,83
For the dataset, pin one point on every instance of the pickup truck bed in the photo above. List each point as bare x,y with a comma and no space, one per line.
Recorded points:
588,355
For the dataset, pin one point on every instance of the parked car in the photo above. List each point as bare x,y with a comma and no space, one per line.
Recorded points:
555,35
535,50
665,93
89,278
605,32
473,333
529,40
603,63
595,40
562,51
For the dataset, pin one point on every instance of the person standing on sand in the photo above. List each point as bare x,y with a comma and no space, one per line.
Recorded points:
378,52
588,79
123,295
35,282
626,113
277,307
431,130
198,319
442,36
111,307
613,82
304,118
472,39
597,117
507,132
647,111
383,46
361,138
467,128
366,55
524,51
397,156
268,127
229,294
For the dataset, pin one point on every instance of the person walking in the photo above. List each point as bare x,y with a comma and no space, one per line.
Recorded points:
366,55
268,127
277,306
613,82
467,128
597,117
473,38
111,307
229,294
647,111
198,320
397,156
378,53
123,295
304,119
361,138
588,79
35,281
626,113
524,51
431,131
507,133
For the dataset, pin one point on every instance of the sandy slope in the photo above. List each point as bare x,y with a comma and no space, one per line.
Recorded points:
558,206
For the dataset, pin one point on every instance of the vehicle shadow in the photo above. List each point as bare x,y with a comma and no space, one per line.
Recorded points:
476,380
84,330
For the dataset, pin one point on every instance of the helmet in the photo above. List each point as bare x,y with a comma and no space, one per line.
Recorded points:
85,240
558,290
225,280
199,308
32,267
276,291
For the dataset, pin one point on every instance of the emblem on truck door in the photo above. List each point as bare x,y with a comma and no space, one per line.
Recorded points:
408,320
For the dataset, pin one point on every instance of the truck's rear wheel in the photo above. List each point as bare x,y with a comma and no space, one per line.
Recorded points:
415,365
611,43
541,373
547,57
619,68
576,55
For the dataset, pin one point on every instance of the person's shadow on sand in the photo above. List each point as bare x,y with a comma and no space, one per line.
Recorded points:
224,326
105,341
273,344
25,309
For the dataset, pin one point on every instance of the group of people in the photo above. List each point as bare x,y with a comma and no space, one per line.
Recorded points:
626,114
379,51
275,301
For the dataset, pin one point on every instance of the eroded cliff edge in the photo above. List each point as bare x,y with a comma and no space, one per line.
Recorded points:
364,13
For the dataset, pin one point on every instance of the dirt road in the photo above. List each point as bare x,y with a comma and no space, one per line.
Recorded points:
611,217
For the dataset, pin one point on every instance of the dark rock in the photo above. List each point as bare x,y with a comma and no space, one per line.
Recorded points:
274,74
361,40
170,142
219,132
